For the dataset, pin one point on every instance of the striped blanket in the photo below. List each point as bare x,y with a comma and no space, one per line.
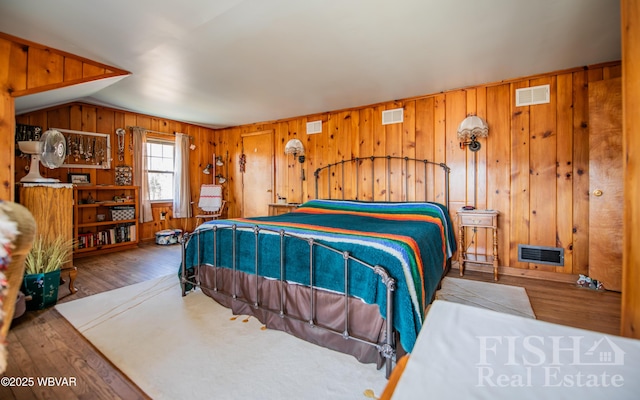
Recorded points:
412,241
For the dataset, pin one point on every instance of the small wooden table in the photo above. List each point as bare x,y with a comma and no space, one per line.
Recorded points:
278,208
487,219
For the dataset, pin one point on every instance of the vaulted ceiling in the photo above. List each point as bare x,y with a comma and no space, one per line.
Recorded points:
232,62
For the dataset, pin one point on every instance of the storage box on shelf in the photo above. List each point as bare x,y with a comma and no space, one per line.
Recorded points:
105,219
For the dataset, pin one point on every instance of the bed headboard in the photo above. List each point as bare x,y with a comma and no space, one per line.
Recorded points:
384,178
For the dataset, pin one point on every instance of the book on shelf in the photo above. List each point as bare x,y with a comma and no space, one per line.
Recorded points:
120,233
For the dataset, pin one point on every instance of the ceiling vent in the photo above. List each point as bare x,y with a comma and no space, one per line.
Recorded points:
314,127
533,95
394,116
541,255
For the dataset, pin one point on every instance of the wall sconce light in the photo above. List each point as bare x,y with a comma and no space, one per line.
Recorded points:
207,169
221,179
219,161
295,147
472,128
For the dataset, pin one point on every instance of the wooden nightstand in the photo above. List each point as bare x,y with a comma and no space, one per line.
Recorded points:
278,209
486,219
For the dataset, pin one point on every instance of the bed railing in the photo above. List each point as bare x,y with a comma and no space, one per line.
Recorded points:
387,349
411,169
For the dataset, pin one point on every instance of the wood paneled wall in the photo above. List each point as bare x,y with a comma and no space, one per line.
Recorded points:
630,315
89,118
28,68
533,167
36,68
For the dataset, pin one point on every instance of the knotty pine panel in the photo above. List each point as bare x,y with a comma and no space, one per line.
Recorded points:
580,199
498,156
365,149
485,239
394,145
543,164
439,133
44,68
471,157
17,60
409,150
281,136
231,140
349,139
379,149
424,145
7,121
309,165
520,166
630,322
72,69
455,158
564,172
89,70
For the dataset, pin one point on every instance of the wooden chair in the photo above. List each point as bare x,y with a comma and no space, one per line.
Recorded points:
210,203
203,216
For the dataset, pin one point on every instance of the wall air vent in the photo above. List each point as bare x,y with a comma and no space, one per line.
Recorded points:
314,127
394,116
541,255
533,95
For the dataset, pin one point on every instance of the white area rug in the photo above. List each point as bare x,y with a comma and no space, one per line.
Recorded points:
177,347
492,296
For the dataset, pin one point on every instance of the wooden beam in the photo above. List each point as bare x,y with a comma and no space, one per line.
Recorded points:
630,305
7,123
40,68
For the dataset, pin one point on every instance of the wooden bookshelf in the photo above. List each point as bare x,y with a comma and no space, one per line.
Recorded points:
105,219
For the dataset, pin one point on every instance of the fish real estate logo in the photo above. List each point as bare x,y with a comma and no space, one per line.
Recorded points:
549,361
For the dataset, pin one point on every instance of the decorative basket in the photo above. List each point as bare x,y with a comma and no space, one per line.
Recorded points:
121,213
168,236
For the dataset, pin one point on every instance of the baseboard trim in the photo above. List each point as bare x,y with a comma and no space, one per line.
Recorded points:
524,273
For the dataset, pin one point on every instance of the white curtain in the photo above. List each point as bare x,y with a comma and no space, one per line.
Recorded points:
140,174
181,190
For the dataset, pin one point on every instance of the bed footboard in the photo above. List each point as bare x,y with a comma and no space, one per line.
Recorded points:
235,292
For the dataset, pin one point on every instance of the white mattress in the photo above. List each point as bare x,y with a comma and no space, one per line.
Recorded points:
465,352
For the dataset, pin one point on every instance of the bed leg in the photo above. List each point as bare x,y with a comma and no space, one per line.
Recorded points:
389,350
183,268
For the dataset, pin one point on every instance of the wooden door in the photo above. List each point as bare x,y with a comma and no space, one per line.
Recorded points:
605,182
257,180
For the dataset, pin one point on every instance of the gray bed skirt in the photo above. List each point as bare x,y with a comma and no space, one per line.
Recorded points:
365,322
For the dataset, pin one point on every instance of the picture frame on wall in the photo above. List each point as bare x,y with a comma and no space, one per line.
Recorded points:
79,178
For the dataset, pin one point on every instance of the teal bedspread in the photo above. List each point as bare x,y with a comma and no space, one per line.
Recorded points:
412,241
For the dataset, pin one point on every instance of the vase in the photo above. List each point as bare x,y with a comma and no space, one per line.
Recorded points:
43,289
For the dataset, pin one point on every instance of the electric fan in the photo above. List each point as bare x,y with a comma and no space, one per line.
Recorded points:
50,150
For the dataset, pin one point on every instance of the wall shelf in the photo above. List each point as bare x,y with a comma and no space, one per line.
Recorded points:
94,234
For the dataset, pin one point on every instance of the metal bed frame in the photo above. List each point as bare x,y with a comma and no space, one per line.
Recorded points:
386,348
339,168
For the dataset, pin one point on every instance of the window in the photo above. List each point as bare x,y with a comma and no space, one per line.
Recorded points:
160,169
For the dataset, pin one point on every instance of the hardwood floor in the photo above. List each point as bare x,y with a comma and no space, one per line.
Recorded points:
563,303
43,344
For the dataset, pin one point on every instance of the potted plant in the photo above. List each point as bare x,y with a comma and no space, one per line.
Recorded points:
42,271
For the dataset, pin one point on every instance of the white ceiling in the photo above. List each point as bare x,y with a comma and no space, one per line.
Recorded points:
232,62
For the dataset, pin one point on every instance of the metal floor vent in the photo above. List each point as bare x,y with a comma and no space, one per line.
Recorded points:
541,255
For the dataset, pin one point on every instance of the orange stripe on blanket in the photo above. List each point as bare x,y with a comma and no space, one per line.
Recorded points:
404,239
390,217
